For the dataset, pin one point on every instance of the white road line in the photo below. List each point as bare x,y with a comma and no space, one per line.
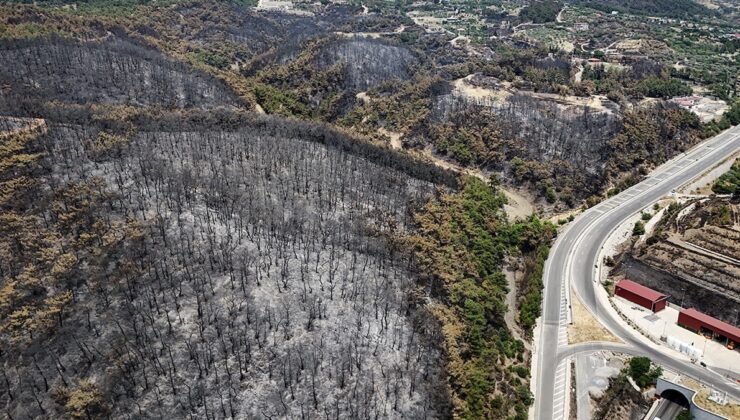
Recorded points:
599,215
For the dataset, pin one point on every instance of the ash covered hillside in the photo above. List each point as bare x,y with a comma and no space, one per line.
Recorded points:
367,62
211,273
565,147
112,70
547,127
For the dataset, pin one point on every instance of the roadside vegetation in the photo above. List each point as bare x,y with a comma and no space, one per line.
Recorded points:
460,245
643,372
729,182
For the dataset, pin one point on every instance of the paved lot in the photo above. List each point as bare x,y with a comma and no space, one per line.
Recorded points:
664,323
592,378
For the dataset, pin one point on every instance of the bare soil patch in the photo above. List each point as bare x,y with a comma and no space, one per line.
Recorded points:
585,327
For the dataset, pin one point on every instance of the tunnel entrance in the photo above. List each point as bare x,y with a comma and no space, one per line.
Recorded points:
675,397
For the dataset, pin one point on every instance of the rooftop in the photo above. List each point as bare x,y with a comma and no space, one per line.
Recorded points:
640,290
713,322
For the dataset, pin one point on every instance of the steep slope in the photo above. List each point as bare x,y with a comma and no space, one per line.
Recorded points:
208,272
114,70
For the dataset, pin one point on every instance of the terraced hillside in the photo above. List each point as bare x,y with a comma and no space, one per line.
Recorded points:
695,254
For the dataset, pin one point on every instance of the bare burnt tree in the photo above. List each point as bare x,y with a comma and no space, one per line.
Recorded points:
264,285
112,70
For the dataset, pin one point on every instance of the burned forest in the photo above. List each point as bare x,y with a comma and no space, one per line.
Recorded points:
214,274
282,209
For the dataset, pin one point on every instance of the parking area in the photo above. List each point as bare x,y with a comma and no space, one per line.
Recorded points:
662,326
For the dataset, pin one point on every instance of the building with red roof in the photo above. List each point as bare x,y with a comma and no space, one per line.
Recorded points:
641,295
704,324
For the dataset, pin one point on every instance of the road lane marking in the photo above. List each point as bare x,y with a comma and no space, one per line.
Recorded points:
589,226
597,214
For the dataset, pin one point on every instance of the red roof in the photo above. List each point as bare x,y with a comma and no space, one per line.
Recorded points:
719,326
641,290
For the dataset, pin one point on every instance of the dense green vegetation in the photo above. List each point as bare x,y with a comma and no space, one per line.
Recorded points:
670,8
638,229
651,135
461,244
530,307
617,83
684,415
541,11
729,118
729,182
662,87
643,371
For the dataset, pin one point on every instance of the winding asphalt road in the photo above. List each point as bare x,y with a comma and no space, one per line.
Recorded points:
573,261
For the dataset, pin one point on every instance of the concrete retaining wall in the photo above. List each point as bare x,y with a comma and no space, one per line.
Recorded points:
697,412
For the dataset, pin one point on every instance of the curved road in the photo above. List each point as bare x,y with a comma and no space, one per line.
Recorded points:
572,262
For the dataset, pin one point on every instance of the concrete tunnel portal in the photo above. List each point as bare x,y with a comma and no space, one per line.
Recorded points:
676,396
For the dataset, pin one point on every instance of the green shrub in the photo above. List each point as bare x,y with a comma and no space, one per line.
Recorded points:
729,182
639,229
662,87
684,415
643,372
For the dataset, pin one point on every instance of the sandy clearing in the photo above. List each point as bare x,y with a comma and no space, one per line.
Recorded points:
285,6
594,101
519,207
555,218
373,35
585,327
566,46
510,315
464,88
395,137
460,39
708,4
363,96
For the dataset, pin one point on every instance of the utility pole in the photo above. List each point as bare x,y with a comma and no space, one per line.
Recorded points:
665,323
